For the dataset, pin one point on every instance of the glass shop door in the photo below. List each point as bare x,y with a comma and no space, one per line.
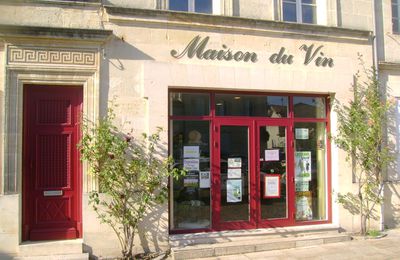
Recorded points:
273,175
234,204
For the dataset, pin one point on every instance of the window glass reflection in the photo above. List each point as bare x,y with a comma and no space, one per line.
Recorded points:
311,107
248,105
179,5
189,104
203,6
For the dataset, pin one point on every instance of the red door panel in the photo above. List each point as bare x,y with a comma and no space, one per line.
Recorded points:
51,169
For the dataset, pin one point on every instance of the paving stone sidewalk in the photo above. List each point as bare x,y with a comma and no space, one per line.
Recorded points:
383,248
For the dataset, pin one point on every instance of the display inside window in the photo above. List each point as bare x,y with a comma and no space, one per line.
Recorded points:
191,193
310,166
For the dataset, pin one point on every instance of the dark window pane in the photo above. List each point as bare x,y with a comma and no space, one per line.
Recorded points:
191,193
311,107
289,12
308,2
234,189
189,104
395,25
247,105
178,5
308,14
395,13
203,6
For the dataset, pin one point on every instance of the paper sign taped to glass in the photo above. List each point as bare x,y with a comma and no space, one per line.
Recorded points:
272,186
204,180
191,152
191,179
303,166
303,208
233,191
234,162
191,164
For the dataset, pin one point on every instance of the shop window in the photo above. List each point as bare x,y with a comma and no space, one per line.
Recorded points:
197,6
310,107
310,165
189,104
249,105
395,16
191,193
300,11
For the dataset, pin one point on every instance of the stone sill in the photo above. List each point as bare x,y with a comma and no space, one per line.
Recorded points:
56,2
54,32
216,22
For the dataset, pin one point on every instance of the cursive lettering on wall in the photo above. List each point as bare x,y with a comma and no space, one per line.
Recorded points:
198,48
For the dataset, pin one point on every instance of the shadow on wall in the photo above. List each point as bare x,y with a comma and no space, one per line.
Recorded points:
115,54
392,187
6,256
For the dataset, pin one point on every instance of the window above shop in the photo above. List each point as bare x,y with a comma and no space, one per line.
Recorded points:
195,6
300,11
395,16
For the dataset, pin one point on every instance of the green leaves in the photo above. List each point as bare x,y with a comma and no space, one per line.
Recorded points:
132,176
361,134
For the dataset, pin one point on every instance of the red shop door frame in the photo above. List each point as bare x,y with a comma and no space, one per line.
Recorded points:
255,220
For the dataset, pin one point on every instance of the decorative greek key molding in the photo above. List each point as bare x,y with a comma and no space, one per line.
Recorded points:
33,55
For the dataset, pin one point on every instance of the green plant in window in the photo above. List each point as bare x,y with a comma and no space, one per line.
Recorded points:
361,135
131,173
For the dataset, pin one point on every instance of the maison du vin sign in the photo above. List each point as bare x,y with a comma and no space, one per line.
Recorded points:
197,48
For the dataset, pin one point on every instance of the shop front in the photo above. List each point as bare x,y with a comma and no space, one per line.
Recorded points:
253,160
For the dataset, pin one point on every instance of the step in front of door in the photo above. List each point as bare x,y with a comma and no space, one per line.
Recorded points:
255,244
60,248
81,256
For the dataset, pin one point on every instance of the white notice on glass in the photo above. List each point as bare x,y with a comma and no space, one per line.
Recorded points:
191,152
234,173
204,180
234,162
272,155
191,164
272,187
233,190
301,133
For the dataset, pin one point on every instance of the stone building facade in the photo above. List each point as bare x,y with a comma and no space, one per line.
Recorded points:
243,89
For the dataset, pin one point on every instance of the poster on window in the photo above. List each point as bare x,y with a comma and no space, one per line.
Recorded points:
301,133
191,179
303,166
272,155
234,173
204,180
234,162
191,164
191,152
302,186
303,208
272,186
233,191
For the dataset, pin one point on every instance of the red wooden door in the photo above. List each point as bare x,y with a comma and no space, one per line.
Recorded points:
51,166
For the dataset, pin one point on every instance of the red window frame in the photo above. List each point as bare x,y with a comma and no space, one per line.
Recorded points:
288,121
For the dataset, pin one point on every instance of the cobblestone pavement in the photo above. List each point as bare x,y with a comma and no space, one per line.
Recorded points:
383,248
